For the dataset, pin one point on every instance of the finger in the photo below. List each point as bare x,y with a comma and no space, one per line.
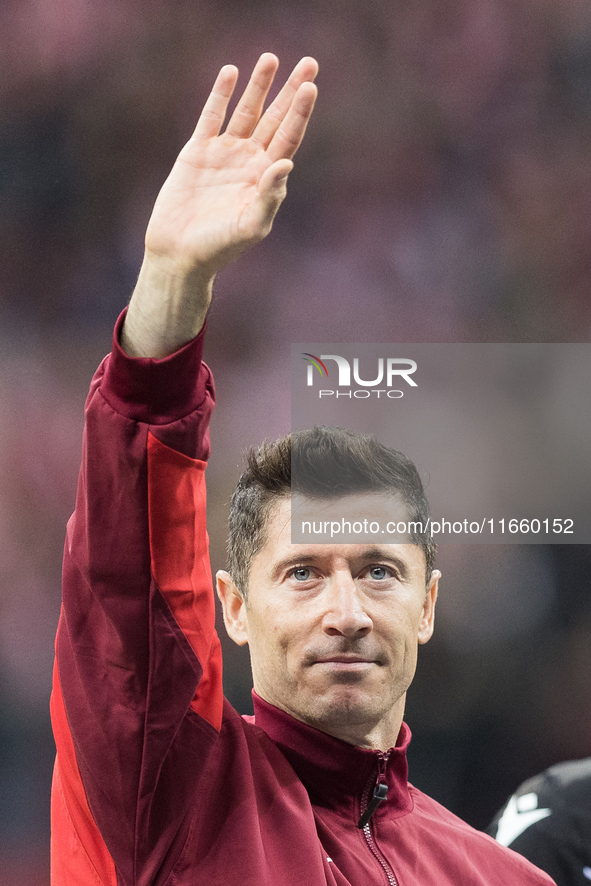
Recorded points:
213,113
305,70
290,133
248,110
272,189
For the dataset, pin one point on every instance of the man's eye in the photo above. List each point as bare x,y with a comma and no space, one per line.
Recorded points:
302,573
378,572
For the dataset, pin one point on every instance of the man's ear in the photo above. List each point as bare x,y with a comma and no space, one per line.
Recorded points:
233,606
427,622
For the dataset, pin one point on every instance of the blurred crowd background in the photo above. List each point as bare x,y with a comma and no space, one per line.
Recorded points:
443,193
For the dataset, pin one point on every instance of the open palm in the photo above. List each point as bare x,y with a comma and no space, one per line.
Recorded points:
225,188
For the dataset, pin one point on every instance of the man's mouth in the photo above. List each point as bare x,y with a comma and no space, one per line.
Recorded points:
344,662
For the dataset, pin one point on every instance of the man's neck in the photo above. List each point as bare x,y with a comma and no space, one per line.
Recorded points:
378,736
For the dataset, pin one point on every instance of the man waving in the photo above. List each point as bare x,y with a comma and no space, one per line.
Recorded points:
157,779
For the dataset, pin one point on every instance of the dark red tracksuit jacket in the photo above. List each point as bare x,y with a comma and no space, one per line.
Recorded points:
157,779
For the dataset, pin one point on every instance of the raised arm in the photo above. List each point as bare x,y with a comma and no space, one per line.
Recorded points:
137,698
220,199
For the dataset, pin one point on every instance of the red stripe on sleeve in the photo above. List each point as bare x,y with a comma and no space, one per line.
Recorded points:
180,563
79,853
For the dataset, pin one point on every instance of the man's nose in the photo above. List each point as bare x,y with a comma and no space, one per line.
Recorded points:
344,610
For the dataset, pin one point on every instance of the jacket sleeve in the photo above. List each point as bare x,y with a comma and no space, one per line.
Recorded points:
137,696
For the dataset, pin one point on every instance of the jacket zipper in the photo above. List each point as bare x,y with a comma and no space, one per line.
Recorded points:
380,793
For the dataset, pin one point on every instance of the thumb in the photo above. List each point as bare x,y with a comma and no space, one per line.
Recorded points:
272,190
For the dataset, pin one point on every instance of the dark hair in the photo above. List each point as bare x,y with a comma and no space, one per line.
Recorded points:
320,463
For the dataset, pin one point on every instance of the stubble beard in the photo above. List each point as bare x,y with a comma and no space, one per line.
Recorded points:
346,706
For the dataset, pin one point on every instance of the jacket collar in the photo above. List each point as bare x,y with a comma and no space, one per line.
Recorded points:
335,773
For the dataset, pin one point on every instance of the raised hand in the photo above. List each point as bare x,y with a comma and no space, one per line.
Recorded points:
225,189
220,198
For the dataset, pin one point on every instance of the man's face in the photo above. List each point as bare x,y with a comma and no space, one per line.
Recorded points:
333,629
